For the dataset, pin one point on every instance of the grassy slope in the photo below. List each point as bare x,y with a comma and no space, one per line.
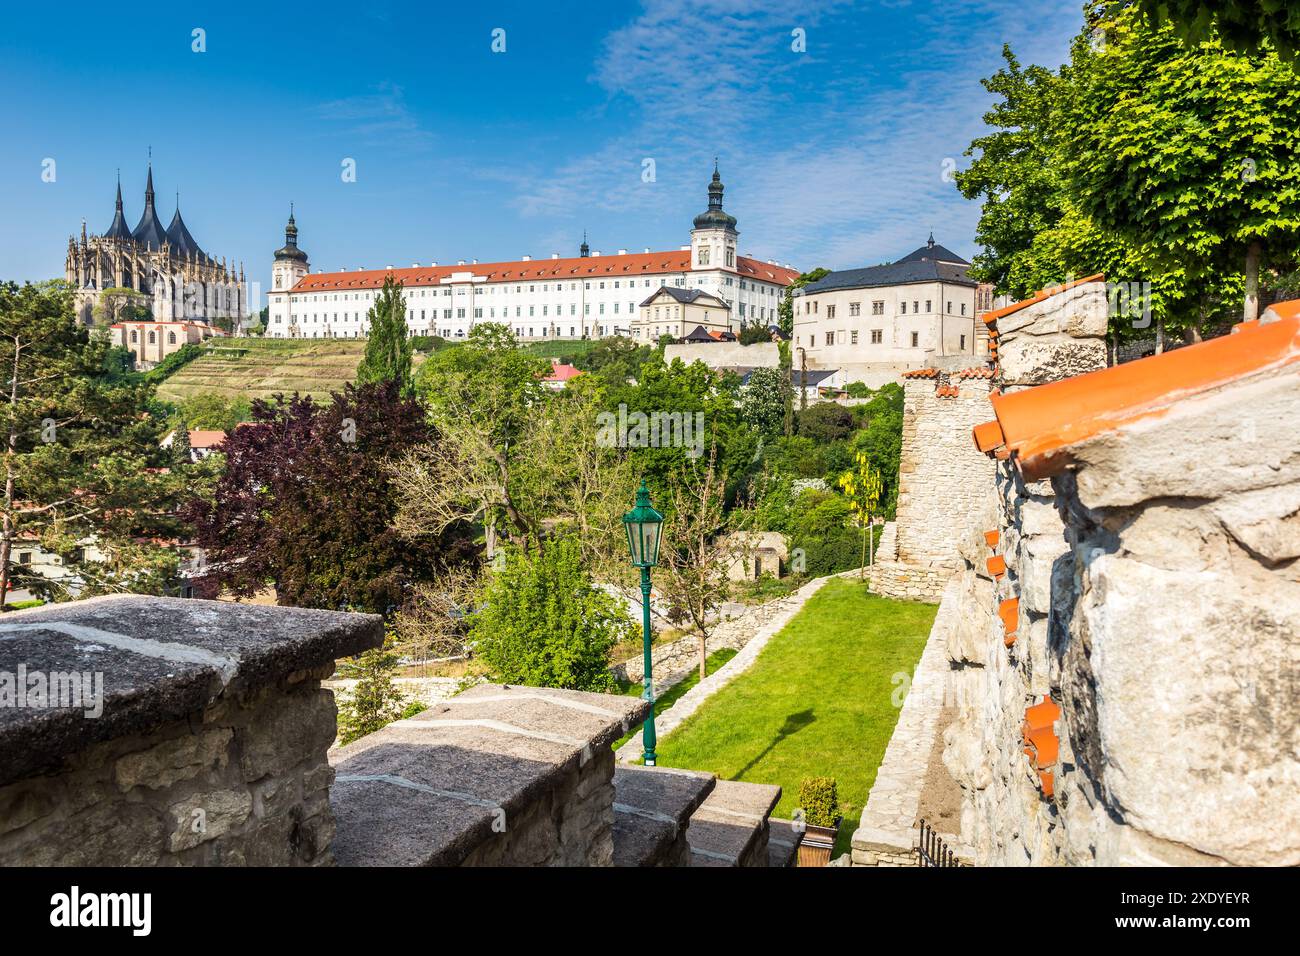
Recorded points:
258,368
817,702
671,696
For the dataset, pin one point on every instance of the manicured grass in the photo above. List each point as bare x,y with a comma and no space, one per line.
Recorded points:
670,697
561,348
817,702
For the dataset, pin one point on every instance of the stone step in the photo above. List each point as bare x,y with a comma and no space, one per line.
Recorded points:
652,809
782,842
730,828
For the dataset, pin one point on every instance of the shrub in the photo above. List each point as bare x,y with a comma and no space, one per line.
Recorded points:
543,623
375,701
825,422
831,553
820,802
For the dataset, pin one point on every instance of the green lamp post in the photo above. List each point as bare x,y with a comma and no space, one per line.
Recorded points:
643,524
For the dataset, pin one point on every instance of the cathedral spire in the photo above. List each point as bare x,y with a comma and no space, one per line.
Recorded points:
119,229
149,231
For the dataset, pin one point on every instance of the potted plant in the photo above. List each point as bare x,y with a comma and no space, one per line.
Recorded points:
821,820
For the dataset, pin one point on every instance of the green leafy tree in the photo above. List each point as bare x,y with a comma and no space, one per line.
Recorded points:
388,348
83,471
542,622
214,412
1189,155
764,401
785,310
375,700
120,304
863,488
1241,25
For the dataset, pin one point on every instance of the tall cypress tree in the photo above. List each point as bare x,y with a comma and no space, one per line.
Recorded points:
388,350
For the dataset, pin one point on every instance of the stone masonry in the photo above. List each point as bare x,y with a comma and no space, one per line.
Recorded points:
210,745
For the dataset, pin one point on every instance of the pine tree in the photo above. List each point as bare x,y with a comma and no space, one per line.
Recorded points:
388,349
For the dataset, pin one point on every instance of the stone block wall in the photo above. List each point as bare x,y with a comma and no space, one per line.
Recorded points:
941,476
205,743
244,782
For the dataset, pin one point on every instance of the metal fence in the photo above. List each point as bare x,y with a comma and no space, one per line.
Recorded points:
931,850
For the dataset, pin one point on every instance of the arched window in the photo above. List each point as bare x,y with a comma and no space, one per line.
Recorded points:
171,338
135,336
151,337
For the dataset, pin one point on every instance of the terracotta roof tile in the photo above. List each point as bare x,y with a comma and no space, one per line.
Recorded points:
583,267
921,373
1039,425
991,538
1009,612
997,565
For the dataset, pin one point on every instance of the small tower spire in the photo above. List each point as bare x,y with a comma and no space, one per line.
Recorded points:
584,251
930,243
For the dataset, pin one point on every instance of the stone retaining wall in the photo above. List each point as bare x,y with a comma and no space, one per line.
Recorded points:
209,747
908,582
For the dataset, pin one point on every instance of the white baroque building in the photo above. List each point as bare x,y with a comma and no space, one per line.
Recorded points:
589,296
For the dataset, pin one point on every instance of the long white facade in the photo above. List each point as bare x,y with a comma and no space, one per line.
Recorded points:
588,296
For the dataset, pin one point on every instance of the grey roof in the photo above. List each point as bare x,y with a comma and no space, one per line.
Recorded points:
181,240
119,229
812,376
685,296
932,250
930,263
149,231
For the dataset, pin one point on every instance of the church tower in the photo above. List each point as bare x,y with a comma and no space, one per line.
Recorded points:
713,240
290,261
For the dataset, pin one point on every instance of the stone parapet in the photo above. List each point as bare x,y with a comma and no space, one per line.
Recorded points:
496,776
198,737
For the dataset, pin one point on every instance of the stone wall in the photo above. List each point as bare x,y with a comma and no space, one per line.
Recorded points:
1126,647
908,582
941,476
205,746
496,776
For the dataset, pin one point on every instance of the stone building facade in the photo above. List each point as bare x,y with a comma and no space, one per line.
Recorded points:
175,278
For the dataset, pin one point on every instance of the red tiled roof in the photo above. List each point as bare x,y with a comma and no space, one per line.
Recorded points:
982,371
1040,424
632,264
562,373
922,373
1047,293
201,438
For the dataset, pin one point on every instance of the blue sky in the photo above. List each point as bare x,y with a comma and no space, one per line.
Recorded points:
833,156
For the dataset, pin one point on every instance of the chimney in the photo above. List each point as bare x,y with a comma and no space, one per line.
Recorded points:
473,262
622,252
415,265
389,268
527,259
647,249
555,255
595,252
460,262
433,265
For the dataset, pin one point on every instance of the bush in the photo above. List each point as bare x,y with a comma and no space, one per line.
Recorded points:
825,422
543,623
820,802
375,701
831,553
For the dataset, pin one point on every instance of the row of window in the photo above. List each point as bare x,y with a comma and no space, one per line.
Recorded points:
877,338
877,308
135,337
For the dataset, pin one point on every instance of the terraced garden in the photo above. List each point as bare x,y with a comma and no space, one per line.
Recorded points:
258,368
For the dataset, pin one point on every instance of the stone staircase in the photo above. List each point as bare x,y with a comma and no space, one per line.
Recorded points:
666,817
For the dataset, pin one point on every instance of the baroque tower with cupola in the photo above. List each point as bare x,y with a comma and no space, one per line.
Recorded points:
713,240
174,279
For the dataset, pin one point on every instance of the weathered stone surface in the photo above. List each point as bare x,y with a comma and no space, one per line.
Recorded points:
652,809
181,758
206,816
160,660
495,776
730,828
782,842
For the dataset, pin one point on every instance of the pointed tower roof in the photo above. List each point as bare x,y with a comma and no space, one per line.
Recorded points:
119,228
584,250
180,237
149,231
714,217
290,249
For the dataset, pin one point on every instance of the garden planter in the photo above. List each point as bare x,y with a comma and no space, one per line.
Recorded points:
817,843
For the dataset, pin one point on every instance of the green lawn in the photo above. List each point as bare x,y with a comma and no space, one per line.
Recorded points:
817,702
670,697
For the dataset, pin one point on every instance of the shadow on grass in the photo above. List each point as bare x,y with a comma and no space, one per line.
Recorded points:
792,725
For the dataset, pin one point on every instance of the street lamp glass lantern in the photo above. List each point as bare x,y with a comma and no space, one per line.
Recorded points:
643,524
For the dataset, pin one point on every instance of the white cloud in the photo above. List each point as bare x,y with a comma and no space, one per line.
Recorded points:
825,167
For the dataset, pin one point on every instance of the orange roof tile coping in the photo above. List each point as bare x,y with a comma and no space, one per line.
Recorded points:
988,436
1047,781
1009,611
921,373
991,538
1043,714
1041,295
1046,746
1280,311
997,565
1039,424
